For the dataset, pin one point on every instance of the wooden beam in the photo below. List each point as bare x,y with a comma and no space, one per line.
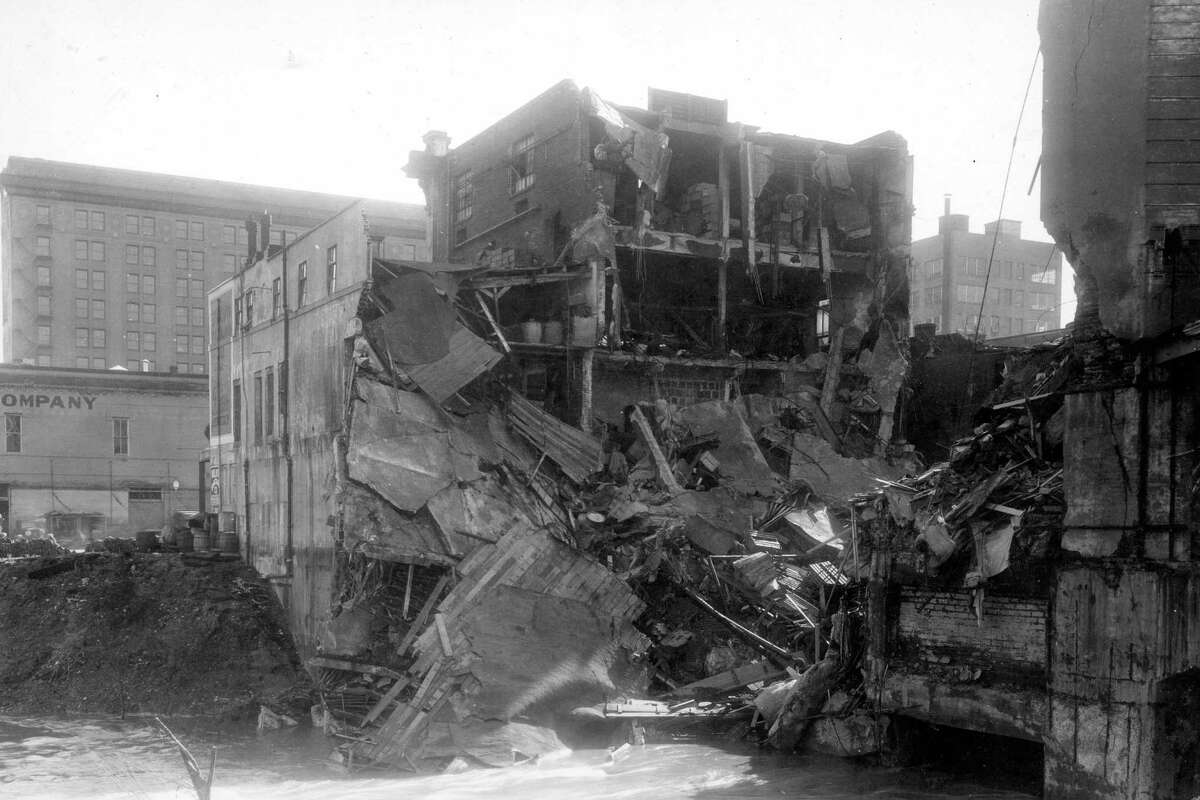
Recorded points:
723,188
585,390
325,662
808,403
492,321
746,184
833,370
415,629
665,473
722,304
599,295
732,678
765,645
408,590
443,635
388,698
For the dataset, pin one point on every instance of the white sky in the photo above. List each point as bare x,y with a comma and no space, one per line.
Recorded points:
332,96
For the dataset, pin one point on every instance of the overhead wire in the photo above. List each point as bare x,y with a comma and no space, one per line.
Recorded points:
996,232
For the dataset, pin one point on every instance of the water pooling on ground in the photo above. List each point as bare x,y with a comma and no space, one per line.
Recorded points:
105,759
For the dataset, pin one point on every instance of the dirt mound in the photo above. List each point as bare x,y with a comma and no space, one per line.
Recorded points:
122,633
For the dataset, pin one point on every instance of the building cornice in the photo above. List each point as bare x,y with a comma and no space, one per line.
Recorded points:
53,180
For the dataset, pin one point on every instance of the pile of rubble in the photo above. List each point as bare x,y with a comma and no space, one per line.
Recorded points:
26,546
504,574
742,565
993,509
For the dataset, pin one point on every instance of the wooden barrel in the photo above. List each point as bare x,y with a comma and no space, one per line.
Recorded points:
183,540
146,541
200,542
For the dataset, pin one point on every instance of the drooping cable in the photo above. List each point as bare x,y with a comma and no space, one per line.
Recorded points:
996,233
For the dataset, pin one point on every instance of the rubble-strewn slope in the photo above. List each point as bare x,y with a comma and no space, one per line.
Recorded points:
107,633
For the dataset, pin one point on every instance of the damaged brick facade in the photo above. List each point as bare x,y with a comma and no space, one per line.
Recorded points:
697,244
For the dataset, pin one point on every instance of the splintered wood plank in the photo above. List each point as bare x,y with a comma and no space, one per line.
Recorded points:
440,621
665,474
325,662
388,698
423,615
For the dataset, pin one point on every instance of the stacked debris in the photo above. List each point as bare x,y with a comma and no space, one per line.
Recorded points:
992,510
740,568
465,618
25,546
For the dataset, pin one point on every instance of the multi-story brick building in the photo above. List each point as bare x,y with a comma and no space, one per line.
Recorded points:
949,278
717,257
106,267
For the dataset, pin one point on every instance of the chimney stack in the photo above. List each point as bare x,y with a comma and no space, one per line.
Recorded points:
251,241
437,143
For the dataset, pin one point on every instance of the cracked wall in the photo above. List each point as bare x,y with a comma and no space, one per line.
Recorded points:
1094,114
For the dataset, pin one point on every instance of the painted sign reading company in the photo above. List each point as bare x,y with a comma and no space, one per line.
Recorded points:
10,400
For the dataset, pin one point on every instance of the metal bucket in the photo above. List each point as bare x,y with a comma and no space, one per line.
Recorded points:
552,332
531,331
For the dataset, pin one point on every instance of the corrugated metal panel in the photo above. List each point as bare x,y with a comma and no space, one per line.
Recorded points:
469,357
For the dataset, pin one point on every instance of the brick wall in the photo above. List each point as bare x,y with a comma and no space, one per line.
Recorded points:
938,630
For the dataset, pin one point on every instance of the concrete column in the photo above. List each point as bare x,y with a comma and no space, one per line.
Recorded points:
1124,631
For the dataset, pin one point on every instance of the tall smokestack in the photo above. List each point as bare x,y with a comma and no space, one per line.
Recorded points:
947,199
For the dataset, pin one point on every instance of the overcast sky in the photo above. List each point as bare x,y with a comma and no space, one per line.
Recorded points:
332,96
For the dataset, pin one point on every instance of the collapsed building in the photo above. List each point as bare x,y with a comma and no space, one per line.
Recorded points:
470,479
722,259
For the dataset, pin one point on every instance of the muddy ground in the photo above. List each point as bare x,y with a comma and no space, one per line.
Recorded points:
144,633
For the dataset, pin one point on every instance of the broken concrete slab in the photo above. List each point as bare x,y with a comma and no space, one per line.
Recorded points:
743,467
400,446
374,528
832,476
347,634
478,511
407,468
529,626
541,654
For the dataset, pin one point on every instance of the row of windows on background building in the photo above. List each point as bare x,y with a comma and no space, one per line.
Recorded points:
14,432
997,296
147,227
145,255
139,225
263,400
995,325
136,283
977,268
